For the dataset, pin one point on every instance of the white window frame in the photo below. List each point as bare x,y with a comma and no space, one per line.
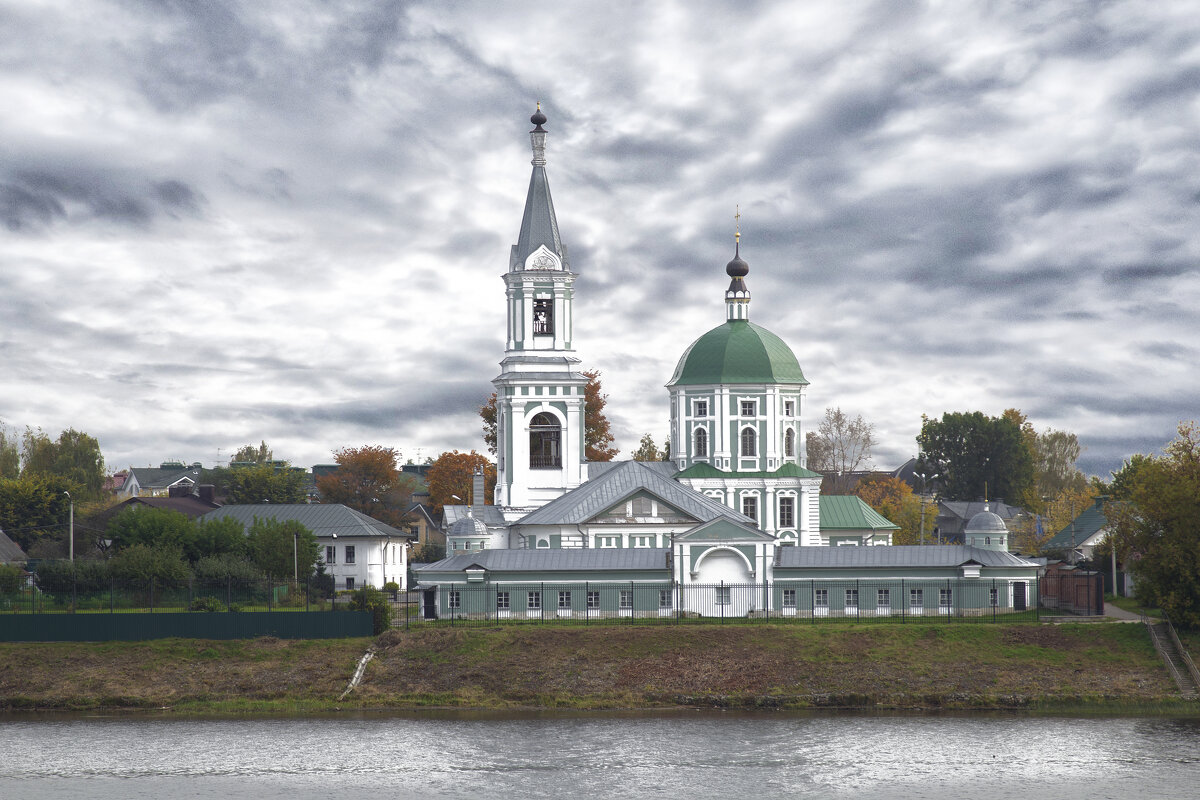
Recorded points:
750,501
700,408
625,601
350,554
700,442
454,600
752,441
851,598
789,408
821,598
503,601
744,404
533,600
789,598
790,505
593,600
665,600
564,600
331,554
724,595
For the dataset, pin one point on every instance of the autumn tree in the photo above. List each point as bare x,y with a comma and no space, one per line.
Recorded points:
648,451
976,456
597,434
369,480
74,456
1156,531
1054,454
1029,534
453,474
895,500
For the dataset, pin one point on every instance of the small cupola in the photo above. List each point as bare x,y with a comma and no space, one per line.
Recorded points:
737,296
987,531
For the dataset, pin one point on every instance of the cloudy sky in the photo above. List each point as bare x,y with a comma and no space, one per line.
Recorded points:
222,222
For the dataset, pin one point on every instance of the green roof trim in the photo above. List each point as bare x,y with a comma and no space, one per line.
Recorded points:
703,470
847,512
737,352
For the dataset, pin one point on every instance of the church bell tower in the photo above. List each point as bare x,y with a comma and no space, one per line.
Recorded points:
540,390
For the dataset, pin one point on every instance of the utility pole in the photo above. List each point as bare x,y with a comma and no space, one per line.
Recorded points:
924,483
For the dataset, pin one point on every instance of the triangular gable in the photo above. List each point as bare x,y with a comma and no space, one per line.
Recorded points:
674,514
723,530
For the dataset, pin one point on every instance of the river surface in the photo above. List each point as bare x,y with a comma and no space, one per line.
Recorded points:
677,755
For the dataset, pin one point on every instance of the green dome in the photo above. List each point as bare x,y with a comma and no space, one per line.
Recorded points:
737,352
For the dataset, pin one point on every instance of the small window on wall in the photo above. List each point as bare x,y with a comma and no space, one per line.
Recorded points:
749,443
664,598
502,601
349,554
789,443
789,408
349,583
564,599
545,442
626,598
330,554
543,317
534,601
723,598
593,600
750,507
749,408
701,448
787,512
789,598
701,408
454,600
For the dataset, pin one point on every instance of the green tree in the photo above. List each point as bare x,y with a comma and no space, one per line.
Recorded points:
977,456
134,567
225,567
597,431
10,455
250,454
34,508
369,481
648,451
277,548
1157,530
150,527
77,458
264,483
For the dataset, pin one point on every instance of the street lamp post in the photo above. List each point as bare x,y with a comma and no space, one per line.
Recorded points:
71,528
924,482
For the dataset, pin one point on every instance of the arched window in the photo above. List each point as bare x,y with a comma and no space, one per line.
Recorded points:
789,443
545,442
749,442
701,448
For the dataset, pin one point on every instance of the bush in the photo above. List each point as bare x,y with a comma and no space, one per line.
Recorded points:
391,586
206,604
371,599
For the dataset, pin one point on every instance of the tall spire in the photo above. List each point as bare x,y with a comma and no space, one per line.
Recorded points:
737,296
539,227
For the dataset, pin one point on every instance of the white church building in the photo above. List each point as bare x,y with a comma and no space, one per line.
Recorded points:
736,511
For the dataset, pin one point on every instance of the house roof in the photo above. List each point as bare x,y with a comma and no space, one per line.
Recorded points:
161,478
1089,522
849,512
946,555
597,468
555,560
703,470
190,505
616,484
323,519
737,352
10,551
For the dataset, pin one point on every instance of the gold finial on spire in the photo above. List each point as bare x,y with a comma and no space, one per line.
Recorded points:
737,223
539,105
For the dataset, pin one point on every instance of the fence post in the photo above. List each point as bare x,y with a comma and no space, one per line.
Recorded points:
74,590
151,594
812,600
632,604
903,603
112,590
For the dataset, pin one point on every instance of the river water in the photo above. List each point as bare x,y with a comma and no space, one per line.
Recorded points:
678,755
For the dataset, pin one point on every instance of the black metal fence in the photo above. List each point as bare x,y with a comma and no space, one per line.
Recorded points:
808,601
74,595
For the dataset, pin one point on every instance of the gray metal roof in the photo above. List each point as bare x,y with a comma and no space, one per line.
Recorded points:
10,551
469,526
539,226
556,560
621,481
323,519
491,515
945,555
597,468
159,478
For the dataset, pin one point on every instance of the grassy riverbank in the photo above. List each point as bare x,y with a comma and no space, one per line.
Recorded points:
1073,666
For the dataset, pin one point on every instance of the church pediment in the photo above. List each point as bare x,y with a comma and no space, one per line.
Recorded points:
723,530
642,507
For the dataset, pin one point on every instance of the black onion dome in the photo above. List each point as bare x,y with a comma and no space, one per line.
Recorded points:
737,268
538,117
